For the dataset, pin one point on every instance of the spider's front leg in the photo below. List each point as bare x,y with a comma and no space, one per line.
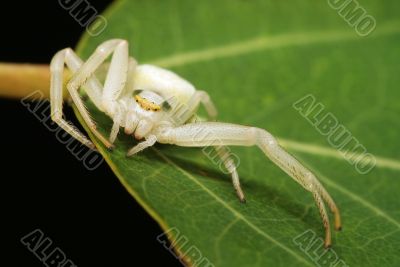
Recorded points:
93,89
215,133
114,83
83,74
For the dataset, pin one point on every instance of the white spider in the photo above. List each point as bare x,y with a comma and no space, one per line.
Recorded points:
141,98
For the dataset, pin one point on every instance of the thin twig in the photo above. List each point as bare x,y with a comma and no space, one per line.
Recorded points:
20,80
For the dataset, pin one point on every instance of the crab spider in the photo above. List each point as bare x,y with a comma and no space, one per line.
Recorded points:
146,101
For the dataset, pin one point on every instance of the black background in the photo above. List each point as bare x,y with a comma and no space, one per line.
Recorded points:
87,214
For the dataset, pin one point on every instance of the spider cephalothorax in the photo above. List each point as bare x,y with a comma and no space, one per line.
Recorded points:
157,105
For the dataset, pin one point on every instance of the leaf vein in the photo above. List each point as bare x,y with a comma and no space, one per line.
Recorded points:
267,42
329,152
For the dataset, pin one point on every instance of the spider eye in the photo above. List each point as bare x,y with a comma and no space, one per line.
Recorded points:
136,92
165,106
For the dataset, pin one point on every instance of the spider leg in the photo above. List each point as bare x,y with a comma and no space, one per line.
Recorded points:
119,111
117,120
117,73
113,86
150,140
92,87
324,217
229,164
332,206
207,133
201,97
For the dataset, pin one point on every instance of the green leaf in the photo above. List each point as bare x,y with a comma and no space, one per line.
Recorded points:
255,59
